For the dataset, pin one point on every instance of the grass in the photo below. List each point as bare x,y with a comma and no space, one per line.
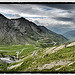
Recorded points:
32,63
63,54
11,51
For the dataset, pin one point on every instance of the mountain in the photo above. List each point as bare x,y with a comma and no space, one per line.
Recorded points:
23,31
70,35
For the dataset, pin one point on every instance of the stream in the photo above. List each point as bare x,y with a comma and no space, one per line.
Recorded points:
8,60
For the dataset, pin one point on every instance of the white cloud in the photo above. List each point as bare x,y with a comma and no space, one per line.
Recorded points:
32,9
37,10
50,21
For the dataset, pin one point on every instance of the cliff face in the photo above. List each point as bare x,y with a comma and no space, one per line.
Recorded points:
22,31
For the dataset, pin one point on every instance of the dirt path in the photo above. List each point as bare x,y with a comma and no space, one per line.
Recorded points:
59,62
49,50
14,66
64,65
71,44
53,64
55,49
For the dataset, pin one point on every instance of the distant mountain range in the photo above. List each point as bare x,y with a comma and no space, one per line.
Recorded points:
23,31
70,35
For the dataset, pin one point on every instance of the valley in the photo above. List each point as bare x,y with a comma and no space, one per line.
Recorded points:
70,35
27,47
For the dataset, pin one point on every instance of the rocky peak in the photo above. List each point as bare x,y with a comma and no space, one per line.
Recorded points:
18,31
2,16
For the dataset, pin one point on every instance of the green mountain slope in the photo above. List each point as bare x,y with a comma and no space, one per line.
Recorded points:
31,59
62,60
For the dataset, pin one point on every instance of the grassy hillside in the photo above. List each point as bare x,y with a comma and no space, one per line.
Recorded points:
36,59
11,53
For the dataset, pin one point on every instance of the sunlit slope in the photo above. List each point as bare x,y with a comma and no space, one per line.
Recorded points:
52,59
14,54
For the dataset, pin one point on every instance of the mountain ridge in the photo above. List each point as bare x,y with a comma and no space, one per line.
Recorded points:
23,31
70,35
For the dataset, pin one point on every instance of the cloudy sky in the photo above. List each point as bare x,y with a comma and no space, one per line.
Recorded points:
59,18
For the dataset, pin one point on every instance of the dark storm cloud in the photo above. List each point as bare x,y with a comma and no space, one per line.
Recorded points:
42,9
62,6
64,19
60,17
31,9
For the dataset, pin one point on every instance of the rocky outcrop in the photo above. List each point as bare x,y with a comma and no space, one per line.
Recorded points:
22,31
